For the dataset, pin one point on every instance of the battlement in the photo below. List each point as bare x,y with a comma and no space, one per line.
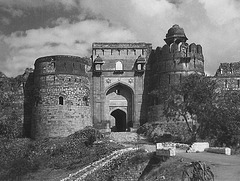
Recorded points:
179,51
177,58
61,64
228,69
120,45
121,50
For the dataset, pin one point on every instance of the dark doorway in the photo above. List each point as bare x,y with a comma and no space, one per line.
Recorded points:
120,120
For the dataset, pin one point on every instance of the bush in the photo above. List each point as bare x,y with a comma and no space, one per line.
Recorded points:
21,156
198,171
88,135
165,132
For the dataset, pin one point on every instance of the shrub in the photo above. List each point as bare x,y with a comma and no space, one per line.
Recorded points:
198,171
88,135
165,132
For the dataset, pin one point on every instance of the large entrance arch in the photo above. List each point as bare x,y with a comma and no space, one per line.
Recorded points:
120,121
119,107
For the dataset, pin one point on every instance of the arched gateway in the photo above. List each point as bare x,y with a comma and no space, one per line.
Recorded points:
118,88
119,107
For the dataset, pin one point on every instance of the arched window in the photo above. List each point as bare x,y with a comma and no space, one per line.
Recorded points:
139,66
226,84
86,101
97,67
119,65
60,100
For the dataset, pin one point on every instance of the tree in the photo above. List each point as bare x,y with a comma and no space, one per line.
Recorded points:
190,100
207,112
224,120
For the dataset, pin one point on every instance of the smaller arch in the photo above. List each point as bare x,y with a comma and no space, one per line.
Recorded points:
120,120
119,66
119,83
173,47
119,109
60,100
86,100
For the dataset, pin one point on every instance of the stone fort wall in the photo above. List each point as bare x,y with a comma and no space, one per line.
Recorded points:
169,63
54,98
61,96
228,76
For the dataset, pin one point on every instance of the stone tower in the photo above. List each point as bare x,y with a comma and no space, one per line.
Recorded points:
169,64
61,96
175,59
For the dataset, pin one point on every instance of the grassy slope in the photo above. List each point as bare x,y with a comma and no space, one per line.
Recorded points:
24,159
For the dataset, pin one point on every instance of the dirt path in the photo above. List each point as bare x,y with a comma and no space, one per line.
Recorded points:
225,168
84,172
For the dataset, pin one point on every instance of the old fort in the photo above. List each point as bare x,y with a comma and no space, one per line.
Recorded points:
111,90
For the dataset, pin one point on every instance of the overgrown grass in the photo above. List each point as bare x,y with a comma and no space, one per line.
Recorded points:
165,132
20,157
126,167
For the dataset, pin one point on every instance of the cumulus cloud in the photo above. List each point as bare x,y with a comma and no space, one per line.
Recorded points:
148,19
38,3
12,11
5,21
66,38
213,24
222,11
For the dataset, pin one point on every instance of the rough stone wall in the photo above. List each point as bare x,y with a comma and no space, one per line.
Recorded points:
12,102
170,63
167,67
61,96
228,76
155,113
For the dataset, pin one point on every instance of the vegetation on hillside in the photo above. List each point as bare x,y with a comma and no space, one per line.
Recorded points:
11,103
20,157
208,111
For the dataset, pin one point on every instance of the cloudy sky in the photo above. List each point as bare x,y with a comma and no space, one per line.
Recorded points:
33,28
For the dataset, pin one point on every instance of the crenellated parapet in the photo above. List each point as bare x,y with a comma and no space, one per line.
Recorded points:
228,76
176,59
180,58
115,56
62,64
228,69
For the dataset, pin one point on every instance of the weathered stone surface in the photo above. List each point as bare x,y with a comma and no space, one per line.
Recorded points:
61,96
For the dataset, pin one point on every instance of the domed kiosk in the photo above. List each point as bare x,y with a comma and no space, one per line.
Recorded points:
175,34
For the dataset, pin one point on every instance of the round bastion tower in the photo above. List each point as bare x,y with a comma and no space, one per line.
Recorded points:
61,96
176,59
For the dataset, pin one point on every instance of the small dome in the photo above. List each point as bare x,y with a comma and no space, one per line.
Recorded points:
175,34
176,30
